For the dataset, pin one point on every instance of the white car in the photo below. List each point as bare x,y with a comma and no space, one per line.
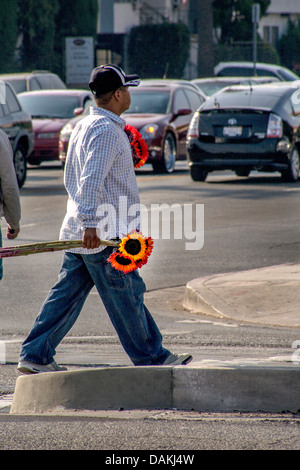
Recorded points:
246,69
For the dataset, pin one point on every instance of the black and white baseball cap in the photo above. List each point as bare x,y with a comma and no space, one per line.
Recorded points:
110,77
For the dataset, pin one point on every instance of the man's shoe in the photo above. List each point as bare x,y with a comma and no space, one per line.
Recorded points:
31,368
178,360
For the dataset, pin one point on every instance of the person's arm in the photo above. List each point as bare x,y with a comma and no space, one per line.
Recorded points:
9,189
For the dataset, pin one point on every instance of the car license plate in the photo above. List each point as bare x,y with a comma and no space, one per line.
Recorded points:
232,131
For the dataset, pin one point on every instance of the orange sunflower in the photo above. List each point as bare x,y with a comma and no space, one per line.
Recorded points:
136,246
121,262
133,252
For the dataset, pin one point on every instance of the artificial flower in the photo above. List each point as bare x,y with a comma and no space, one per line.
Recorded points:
132,253
139,148
122,263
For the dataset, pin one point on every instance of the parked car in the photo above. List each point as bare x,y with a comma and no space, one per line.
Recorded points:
37,80
155,81
211,85
246,128
18,126
246,69
161,111
66,131
50,111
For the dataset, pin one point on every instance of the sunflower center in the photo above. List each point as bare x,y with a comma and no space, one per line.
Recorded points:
133,246
123,261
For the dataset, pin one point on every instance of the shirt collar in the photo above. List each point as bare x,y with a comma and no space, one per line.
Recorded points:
104,112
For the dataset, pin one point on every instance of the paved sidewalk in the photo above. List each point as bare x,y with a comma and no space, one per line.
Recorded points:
268,296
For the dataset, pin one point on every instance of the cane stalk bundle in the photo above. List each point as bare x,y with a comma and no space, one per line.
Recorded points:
132,251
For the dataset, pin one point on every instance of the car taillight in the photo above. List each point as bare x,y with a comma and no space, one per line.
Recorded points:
193,130
274,126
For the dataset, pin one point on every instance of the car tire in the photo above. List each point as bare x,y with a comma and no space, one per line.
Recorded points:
197,174
292,172
20,164
167,165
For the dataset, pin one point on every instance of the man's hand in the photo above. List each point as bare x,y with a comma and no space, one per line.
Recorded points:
11,233
90,239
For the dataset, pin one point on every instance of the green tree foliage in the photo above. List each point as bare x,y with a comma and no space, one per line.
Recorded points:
8,34
290,47
74,18
37,25
205,39
77,18
159,50
234,18
44,24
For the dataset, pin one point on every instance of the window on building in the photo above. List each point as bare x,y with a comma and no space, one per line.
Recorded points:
271,35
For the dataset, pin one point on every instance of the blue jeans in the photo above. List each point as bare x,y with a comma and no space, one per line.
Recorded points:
123,297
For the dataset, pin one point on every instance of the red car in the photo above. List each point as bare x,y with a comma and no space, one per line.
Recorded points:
161,111
50,111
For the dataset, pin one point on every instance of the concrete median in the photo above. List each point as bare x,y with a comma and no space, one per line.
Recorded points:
220,387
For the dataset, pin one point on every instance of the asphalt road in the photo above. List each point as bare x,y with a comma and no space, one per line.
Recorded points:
248,223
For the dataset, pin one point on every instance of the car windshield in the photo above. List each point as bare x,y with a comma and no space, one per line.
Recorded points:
149,102
50,106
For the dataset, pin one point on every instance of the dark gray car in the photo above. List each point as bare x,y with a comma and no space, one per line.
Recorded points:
18,126
244,128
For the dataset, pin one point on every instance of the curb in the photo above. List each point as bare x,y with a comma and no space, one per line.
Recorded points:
223,387
266,296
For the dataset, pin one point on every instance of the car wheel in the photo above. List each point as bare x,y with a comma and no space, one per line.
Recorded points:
197,174
292,173
167,164
20,164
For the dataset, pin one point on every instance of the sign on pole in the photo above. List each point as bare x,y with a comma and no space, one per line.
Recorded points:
79,60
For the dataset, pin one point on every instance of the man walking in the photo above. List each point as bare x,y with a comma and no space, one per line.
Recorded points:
99,170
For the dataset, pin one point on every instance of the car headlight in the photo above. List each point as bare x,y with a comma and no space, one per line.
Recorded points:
66,131
148,131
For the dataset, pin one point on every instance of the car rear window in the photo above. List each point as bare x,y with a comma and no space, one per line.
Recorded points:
243,97
50,82
236,72
19,84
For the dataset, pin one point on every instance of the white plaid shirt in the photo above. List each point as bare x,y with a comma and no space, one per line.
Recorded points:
100,180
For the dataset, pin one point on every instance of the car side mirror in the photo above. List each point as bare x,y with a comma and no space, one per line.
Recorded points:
183,112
